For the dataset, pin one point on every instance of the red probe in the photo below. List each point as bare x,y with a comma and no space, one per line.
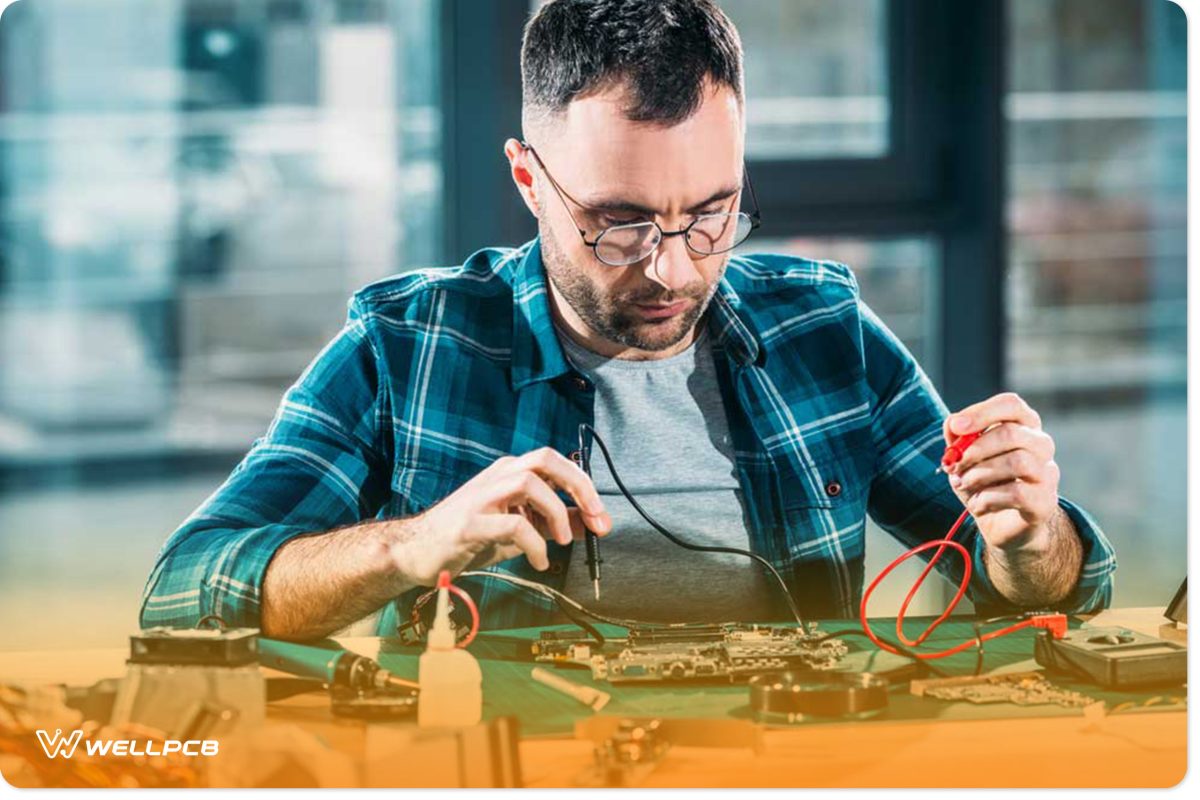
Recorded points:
954,452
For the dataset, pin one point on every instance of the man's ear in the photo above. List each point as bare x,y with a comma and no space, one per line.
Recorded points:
521,168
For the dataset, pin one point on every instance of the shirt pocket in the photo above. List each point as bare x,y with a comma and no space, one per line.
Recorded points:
824,511
416,488
830,482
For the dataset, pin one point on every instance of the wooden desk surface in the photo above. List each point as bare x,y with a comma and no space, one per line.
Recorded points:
1129,749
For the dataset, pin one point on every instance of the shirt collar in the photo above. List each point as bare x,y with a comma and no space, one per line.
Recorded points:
730,323
537,354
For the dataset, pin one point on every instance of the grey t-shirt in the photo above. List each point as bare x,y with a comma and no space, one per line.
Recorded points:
665,426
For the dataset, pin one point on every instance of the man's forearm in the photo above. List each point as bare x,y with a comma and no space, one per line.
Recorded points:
1043,572
317,584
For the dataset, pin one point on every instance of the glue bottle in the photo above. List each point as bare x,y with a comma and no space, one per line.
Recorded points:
451,683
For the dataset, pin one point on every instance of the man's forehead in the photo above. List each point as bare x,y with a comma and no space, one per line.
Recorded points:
599,154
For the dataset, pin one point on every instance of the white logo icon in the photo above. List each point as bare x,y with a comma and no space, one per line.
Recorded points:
59,744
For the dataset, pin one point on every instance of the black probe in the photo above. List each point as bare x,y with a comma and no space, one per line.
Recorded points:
590,540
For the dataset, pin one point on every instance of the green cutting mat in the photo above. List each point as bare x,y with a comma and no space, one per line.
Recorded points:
508,688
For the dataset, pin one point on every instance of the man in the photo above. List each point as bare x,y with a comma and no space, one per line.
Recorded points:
750,402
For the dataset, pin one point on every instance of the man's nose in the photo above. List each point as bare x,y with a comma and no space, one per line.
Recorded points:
672,265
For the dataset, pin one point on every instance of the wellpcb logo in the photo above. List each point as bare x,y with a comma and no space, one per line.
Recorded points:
58,745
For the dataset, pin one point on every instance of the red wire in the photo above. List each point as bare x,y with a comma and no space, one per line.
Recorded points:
941,545
470,604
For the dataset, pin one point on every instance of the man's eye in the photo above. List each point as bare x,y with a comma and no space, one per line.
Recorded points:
610,222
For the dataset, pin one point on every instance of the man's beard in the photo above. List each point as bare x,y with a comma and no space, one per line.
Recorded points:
615,318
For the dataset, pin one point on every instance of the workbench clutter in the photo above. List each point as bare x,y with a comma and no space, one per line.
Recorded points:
634,703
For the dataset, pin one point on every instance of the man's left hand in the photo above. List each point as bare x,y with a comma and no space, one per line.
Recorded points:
1007,478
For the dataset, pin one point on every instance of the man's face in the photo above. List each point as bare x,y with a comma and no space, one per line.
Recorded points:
620,172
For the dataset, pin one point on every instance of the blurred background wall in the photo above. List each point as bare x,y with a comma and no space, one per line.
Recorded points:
190,190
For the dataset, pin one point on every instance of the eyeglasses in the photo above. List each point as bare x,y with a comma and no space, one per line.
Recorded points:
629,243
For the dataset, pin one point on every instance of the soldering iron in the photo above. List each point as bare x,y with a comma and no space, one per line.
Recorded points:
334,667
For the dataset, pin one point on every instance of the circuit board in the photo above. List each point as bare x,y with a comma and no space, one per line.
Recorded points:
722,653
1022,689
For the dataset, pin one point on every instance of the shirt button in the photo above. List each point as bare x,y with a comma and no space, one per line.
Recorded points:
556,568
581,383
833,488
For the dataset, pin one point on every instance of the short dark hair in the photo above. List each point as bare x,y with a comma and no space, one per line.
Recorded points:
662,50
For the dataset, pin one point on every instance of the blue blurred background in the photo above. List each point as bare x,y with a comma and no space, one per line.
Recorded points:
191,189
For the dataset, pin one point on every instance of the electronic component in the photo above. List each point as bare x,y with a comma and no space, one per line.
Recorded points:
724,653
1113,657
626,757
182,679
1018,688
788,697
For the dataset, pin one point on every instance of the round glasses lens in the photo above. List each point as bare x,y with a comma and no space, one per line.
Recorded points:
627,244
717,233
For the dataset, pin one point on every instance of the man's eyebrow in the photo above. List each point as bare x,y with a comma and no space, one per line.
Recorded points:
620,205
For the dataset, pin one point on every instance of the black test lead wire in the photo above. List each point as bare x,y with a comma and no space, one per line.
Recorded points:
583,426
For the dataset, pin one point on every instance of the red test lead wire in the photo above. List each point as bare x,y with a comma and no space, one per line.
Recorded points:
443,582
1056,623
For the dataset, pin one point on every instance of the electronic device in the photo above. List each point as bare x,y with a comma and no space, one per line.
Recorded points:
179,680
1113,657
1018,688
723,653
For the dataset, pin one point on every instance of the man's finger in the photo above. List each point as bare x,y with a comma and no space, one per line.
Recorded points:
1004,407
1004,438
528,489
578,524
510,529
1000,469
563,473
1021,497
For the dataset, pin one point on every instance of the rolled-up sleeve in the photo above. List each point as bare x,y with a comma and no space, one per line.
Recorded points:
320,466
915,505
1093,592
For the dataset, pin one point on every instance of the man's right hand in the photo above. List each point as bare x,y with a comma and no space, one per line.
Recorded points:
507,509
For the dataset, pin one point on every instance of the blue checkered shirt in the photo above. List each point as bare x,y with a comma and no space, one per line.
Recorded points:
438,372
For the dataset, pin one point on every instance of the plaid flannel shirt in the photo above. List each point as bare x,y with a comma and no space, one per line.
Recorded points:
440,371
